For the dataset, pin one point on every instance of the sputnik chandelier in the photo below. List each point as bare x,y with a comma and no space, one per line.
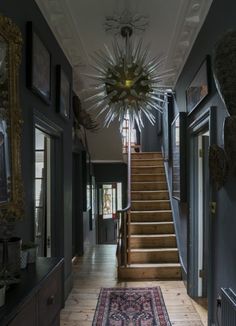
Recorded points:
129,83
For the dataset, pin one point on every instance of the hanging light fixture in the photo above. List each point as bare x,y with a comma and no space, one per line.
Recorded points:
129,84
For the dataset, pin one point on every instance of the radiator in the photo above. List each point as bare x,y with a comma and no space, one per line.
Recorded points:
228,307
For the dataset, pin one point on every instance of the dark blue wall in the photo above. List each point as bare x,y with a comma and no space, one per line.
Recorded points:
112,172
221,17
20,13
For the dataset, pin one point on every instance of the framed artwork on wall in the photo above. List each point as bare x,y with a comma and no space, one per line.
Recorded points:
178,137
63,93
199,87
38,65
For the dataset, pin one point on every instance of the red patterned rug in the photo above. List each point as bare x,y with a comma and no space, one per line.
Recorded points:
131,307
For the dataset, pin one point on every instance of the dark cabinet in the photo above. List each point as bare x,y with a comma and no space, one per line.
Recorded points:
37,300
27,316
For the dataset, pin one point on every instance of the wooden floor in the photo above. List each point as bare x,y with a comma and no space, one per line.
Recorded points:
97,268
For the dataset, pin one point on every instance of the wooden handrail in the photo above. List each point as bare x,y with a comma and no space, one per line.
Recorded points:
123,213
128,172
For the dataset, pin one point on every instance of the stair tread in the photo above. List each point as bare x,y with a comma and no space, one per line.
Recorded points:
149,182
146,166
153,249
148,159
155,265
150,200
149,191
147,174
163,235
154,211
151,223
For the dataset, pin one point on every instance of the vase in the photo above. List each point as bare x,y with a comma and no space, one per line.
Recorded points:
32,253
224,69
23,259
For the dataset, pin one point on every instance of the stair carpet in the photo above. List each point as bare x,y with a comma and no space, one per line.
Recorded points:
152,250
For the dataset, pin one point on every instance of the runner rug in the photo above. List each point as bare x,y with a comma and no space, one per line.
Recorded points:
131,307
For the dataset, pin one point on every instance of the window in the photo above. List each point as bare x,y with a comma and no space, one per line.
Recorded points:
110,199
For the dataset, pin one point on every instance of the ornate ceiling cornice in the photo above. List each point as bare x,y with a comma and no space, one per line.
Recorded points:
190,18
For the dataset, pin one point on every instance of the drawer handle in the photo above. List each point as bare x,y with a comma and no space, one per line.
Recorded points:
51,300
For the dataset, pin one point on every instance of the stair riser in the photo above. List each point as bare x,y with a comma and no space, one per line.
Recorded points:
147,177
152,229
150,206
150,196
152,273
149,186
163,242
146,155
151,170
154,257
140,162
151,217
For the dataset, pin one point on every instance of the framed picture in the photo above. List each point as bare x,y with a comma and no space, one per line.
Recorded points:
38,65
199,87
166,126
178,136
63,94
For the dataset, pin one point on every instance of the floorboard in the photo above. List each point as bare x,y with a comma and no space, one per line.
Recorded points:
97,268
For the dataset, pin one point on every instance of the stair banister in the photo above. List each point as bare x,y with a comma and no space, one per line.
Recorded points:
123,213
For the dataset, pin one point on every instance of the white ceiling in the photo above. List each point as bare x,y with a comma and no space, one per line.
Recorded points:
79,28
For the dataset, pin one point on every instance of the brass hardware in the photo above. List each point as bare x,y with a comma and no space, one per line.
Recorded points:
12,205
213,207
201,273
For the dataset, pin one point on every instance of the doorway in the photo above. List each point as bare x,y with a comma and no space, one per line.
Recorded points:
202,135
42,193
109,202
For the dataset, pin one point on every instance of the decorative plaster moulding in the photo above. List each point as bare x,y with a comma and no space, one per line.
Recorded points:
191,16
59,19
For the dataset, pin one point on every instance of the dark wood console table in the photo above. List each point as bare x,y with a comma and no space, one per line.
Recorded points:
38,298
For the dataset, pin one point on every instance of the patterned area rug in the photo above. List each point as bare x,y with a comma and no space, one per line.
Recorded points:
131,307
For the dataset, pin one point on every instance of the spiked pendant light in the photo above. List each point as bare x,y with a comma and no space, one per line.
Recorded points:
128,82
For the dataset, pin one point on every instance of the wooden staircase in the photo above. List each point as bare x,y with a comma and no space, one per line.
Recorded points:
151,242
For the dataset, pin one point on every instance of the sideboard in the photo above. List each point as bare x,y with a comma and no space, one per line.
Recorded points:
38,298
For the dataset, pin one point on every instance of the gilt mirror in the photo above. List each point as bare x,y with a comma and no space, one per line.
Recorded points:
11,188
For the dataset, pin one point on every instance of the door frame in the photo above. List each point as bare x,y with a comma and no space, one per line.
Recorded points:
204,122
57,220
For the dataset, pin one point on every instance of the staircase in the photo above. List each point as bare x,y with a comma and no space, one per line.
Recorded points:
151,242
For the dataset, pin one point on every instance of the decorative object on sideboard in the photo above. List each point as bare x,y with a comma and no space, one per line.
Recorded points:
230,143
31,248
224,69
11,186
38,65
23,258
199,86
218,166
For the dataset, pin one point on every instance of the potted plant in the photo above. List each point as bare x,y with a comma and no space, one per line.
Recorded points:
31,248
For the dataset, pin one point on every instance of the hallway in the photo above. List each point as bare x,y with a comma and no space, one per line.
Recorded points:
97,268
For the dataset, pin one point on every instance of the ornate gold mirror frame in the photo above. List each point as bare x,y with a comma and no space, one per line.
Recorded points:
11,186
